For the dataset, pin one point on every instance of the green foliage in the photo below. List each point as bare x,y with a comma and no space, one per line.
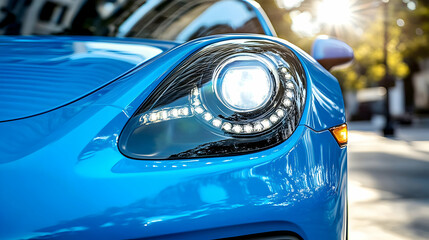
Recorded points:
366,37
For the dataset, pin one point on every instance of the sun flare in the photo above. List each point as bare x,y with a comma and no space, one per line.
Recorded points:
334,12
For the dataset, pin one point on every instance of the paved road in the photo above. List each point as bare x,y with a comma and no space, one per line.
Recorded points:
388,184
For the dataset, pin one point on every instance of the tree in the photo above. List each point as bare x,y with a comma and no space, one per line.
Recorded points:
408,27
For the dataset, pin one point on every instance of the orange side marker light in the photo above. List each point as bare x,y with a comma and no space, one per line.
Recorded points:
340,134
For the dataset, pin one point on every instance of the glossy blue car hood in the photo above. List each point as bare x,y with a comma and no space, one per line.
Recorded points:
38,74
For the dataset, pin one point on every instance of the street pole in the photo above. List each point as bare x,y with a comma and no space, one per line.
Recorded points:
388,130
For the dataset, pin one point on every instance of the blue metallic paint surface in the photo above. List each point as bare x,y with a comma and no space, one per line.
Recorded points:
38,74
61,174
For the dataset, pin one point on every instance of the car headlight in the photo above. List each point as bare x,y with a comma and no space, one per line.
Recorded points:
245,82
229,98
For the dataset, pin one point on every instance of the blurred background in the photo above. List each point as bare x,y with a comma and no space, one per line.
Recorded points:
386,88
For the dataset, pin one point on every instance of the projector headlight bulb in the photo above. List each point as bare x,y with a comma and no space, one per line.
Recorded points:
245,82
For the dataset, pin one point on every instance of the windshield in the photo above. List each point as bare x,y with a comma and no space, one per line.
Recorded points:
178,20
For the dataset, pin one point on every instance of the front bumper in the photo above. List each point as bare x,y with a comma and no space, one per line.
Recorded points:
298,186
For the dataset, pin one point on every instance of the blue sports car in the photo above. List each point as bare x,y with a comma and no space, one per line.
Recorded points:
168,120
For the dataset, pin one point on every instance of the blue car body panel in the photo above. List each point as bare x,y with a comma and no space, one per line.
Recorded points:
62,175
39,73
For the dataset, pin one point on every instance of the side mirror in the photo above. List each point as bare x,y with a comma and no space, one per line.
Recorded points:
331,52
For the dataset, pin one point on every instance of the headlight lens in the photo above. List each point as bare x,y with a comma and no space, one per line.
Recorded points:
245,82
229,98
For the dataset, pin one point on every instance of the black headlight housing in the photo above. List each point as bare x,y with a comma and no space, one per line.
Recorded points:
195,112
